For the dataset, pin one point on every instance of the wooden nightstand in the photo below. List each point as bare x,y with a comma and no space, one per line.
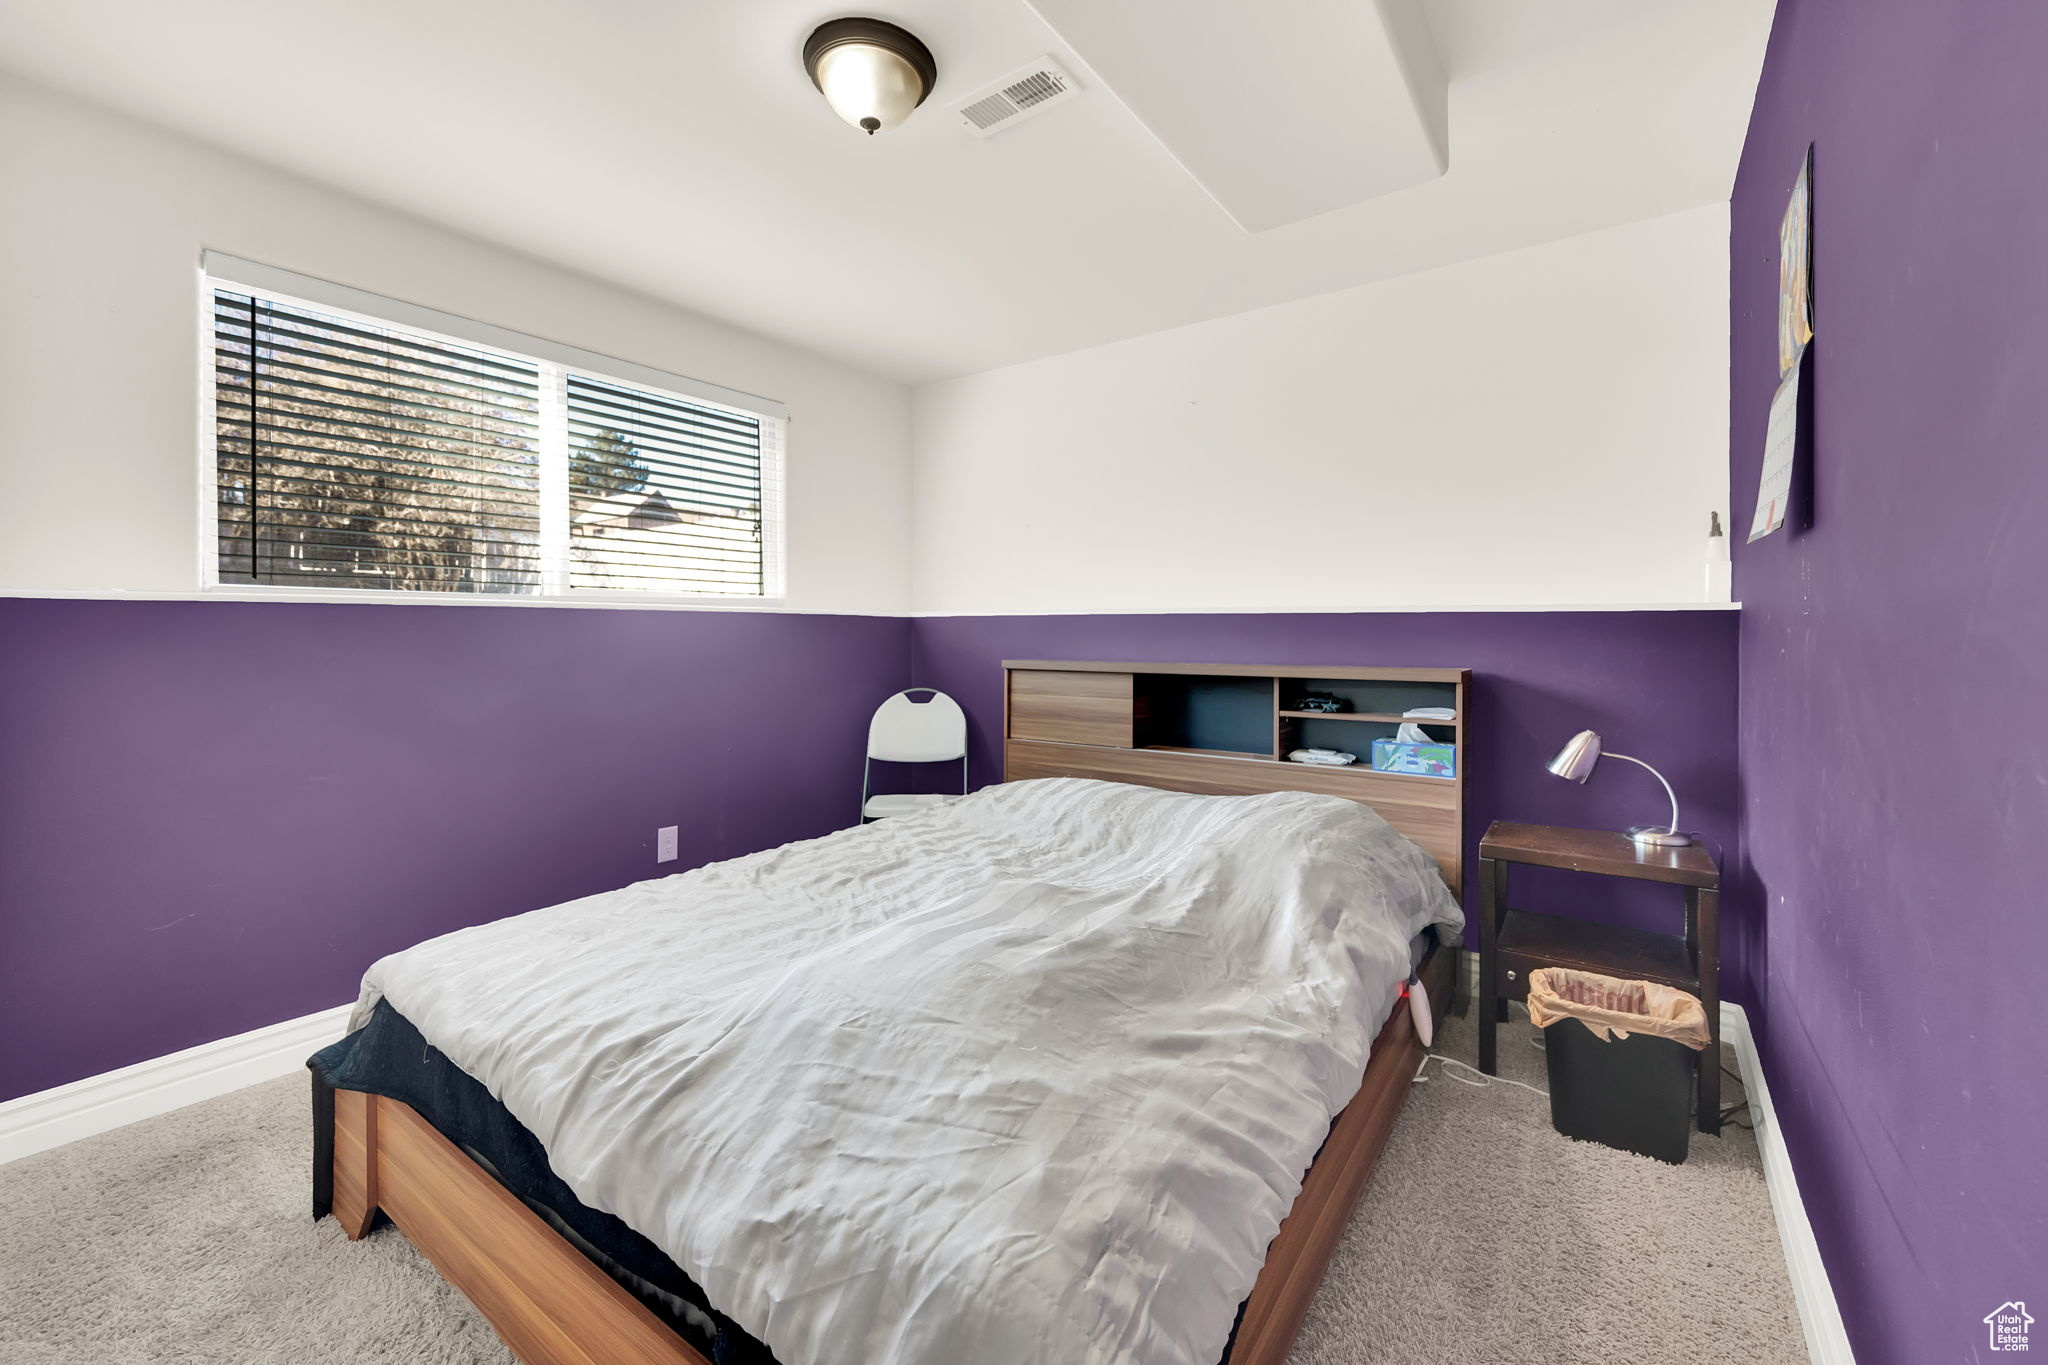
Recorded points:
1513,943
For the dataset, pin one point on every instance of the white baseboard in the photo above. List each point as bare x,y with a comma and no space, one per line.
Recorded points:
1827,1343
50,1118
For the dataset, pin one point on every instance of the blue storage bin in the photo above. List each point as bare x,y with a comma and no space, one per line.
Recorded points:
1417,760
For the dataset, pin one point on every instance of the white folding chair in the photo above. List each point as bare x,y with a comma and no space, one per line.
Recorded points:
905,730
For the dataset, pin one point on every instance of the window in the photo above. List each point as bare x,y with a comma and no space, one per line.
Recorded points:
359,443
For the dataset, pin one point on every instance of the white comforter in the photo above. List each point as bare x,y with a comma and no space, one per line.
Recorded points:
1032,1077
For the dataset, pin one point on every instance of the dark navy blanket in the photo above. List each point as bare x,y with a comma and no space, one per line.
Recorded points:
387,1056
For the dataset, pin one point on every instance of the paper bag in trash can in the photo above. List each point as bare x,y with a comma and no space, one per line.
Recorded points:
1613,1007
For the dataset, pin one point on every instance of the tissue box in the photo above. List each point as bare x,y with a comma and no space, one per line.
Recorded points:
1420,760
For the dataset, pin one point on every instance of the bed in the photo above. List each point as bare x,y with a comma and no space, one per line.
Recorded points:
982,1083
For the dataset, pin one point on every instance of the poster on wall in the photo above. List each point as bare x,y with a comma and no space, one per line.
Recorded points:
1795,330
1795,271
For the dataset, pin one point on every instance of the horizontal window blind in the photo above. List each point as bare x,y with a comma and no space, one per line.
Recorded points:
661,491
353,455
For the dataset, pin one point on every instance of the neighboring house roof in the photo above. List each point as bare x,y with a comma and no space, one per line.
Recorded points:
654,512
631,511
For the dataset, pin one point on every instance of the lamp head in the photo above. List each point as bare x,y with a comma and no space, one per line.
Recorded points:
1576,760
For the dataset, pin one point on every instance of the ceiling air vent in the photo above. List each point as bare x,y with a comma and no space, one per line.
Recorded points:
1016,97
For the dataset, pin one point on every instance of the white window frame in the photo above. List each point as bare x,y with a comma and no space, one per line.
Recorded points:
556,361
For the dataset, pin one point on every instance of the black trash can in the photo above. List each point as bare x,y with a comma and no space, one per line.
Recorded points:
1634,1093
1622,1059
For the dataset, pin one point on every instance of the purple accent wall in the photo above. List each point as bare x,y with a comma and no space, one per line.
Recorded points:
1907,604
1659,684
214,815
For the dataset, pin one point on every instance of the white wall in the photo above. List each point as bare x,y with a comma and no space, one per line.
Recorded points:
1546,427
100,236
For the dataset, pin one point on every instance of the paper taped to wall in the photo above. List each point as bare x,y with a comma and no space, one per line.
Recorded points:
1781,439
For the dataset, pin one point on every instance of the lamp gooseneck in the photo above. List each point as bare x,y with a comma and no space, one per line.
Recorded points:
1669,834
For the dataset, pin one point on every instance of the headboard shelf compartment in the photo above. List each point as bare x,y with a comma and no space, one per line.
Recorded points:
1225,729
1228,715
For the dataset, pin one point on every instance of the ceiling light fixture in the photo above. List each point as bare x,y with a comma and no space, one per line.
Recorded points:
872,73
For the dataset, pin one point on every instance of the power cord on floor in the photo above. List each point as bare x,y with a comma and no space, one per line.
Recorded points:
1730,1114
1485,1081
1733,1114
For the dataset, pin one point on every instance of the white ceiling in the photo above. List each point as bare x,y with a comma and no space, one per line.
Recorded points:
676,147
1360,112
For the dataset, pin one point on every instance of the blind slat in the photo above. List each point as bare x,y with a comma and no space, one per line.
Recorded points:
512,433
288,532
596,410
459,384
654,454
719,556
501,476
516,423
711,534
287,374
595,392
233,318
286,508
665,506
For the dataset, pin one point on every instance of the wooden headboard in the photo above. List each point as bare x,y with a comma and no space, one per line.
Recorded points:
1225,730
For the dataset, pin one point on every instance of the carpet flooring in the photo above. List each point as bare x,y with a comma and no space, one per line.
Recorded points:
1484,1238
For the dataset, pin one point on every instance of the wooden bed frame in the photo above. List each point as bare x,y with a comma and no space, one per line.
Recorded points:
553,1306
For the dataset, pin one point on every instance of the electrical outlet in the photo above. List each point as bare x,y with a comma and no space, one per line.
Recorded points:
665,844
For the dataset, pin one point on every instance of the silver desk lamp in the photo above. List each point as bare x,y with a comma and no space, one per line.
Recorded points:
1581,754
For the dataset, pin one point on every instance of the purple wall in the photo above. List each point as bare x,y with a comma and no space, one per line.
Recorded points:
1905,936
215,814
1660,685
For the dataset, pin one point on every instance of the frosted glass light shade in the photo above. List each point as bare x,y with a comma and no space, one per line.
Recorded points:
870,87
872,73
